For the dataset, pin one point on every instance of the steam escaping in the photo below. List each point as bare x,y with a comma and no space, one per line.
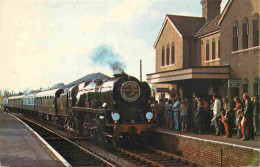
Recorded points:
105,56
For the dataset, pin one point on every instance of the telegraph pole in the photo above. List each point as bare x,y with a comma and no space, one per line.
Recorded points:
141,70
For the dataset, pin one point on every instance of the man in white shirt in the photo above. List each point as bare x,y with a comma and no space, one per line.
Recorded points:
216,112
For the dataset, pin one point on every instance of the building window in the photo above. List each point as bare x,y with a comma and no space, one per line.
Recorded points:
245,86
168,55
235,36
173,54
163,54
207,50
256,30
218,47
213,49
245,33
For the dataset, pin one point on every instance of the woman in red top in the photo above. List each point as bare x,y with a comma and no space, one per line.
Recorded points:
226,107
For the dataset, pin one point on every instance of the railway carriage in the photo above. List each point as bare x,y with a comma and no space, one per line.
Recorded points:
46,102
5,103
15,102
29,101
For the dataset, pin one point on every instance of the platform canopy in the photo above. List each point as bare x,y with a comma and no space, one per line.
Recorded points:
205,72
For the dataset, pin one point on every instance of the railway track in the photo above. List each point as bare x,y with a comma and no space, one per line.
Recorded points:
136,155
74,154
147,156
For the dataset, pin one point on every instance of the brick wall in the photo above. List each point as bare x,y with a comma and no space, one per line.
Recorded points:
206,152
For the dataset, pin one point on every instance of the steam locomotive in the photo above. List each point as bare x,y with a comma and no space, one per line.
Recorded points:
115,109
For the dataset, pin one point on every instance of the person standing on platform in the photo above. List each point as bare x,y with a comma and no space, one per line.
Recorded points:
228,116
206,115
176,107
166,106
237,109
247,123
160,113
240,117
154,108
194,110
224,114
231,117
189,112
169,119
183,115
256,115
200,117
216,113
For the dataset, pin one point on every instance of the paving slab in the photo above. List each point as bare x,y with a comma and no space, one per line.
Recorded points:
20,146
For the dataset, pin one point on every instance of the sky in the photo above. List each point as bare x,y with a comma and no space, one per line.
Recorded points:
45,42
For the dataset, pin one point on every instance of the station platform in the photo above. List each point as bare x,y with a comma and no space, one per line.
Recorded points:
209,150
20,146
253,144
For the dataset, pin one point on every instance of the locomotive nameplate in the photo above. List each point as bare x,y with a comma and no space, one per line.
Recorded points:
130,91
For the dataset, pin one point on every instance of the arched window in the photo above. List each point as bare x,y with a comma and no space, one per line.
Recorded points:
218,47
213,49
245,33
163,54
173,53
168,55
245,86
256,87
256,30
207,50
235,36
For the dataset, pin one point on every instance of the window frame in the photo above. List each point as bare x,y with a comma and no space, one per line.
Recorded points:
207,50
213,49
173,53
163,57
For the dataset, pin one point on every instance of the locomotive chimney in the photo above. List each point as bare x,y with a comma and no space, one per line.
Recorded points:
121,74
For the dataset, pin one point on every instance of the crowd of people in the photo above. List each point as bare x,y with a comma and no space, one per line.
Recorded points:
216,115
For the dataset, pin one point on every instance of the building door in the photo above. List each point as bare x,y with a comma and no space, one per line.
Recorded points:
256,90
234,92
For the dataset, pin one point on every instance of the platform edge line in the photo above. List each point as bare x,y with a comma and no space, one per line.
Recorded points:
212,141
45,143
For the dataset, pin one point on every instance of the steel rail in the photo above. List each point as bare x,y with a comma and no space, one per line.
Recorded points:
140,158
174,156
81,148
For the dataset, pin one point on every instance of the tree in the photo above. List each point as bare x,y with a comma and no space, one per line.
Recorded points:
58,85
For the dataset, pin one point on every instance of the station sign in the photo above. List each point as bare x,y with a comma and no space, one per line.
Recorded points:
162,90
233,83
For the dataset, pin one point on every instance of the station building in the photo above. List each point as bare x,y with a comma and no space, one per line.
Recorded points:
216,53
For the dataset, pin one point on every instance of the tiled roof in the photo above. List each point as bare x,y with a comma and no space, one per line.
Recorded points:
188,26
209,26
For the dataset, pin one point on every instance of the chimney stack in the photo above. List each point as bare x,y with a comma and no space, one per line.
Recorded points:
210,8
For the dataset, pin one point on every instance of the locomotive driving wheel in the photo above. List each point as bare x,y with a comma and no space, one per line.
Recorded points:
116,140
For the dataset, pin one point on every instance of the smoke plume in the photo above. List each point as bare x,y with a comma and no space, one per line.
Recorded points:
105,56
